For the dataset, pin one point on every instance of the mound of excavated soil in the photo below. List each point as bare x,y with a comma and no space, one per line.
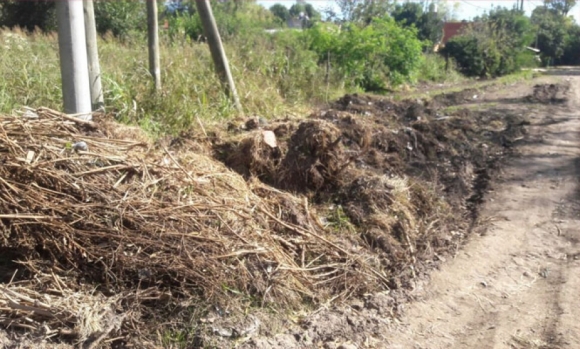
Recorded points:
403,176
353,200
549,93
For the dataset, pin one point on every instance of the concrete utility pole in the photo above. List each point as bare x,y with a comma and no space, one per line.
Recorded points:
97,99
217,50
73,58
153,39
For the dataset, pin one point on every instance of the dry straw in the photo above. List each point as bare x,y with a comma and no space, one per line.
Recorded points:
139,223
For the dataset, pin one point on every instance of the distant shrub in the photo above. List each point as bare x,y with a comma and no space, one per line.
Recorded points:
28,15
121,17
233,20
376,56
571,55
494,44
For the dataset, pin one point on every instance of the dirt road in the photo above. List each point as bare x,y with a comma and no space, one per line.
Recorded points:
517,285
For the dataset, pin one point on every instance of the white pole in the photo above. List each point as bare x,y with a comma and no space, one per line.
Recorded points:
97,99
73,58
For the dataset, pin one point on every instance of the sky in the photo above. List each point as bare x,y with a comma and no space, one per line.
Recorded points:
465,9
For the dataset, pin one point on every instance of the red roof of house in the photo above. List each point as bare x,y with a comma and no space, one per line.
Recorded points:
451,29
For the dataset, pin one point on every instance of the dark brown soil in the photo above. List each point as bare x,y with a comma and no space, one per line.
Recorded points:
549,93
361,155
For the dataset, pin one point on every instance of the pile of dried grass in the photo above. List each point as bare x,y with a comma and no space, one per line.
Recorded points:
129,218
59,311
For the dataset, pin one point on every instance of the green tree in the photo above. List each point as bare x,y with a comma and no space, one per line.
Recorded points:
374,56
367,10
563,7
241,19
312,13
299,9
28,15
281,12
494,45
120,17
408,13
363,11
432,21
551,33
571,54
429,23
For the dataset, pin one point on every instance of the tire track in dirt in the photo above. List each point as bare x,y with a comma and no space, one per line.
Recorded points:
517,285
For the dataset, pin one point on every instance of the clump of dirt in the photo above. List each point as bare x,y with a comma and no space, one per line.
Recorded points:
315,159
252,157
403,176
549,93
457,98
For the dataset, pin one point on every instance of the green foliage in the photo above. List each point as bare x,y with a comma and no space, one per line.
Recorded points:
571,55
274,75
363,12
429,24
307,9
239,20
551,33
495,44
373,57
120,17
280,12
28,15
433,67
408,13
476,53
562,7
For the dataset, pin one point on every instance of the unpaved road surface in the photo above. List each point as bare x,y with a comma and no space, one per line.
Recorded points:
518,284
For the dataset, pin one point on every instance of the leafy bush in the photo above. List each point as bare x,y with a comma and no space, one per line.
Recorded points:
494,45
434,68
551,29
374,57
571,54
428,23
234,20
120,17
28,15
474,53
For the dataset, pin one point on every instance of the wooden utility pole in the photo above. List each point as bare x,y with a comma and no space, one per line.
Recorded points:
73,58
216,48
97,99
153,39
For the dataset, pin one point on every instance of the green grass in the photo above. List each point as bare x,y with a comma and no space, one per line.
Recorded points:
274,77
461,83
269,82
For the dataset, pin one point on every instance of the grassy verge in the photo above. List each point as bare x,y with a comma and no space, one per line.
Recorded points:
274,77
459,84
